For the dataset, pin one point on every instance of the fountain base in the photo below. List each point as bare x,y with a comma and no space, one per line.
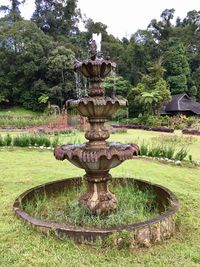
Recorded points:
139,234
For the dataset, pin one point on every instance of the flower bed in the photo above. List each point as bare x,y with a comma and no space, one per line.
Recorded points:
142,127
52,130
192,132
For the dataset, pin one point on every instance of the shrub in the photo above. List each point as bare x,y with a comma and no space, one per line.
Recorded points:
168,152
22,141
192,132
143,149
7,140
32,139
181,154
55,142
42,140
1,141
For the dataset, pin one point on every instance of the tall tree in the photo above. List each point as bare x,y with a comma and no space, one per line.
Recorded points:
60,75
177,68
23,55
56,17
12,12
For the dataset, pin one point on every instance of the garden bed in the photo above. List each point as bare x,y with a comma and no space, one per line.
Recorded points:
142,127
191,132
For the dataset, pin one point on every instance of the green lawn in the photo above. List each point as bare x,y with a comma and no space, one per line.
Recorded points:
21,245
18,111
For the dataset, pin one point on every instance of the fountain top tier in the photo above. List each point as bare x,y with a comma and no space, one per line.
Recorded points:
97,156
96,68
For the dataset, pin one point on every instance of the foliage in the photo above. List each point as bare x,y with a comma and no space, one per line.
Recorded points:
12,12
116,86
23,54
151,93
7,141
56,17
162,150
177,68
60,65
36,58
26,140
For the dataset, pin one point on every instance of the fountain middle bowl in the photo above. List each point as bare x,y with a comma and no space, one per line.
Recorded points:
97,107
96,160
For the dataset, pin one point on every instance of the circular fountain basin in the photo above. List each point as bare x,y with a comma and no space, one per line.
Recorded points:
139,234
102,107
97,160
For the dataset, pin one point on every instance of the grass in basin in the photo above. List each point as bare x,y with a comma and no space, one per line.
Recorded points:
133,206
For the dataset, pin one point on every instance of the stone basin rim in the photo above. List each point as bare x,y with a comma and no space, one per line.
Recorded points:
102,232
103,101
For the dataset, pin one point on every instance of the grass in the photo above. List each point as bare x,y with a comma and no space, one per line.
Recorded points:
133,206
18,111
21,245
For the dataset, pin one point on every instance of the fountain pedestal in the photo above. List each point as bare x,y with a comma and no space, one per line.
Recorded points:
98,199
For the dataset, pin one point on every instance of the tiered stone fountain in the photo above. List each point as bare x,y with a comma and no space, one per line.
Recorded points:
97,157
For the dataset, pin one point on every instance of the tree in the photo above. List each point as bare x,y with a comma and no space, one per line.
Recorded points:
12,13
116,86
177,68
134,106
163,29
56,17
150,94
23,55
60,75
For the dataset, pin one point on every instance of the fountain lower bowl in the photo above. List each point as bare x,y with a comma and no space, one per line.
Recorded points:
96,160
139,234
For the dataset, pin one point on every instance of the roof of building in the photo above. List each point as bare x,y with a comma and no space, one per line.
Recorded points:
181,102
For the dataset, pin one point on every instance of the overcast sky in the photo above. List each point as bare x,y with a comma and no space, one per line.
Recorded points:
124,17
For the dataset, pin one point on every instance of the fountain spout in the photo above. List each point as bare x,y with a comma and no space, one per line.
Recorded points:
95,45
97,38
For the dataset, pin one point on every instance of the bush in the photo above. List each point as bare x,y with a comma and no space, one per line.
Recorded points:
55,142
1,141
7,140
168,152
22,141
161,150
192,132
143,149
180,155
33,140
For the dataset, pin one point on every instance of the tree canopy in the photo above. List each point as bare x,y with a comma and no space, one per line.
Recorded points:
36,56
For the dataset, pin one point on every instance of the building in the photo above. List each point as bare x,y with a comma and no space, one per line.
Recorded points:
181,104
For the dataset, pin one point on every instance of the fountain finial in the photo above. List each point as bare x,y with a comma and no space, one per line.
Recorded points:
95,45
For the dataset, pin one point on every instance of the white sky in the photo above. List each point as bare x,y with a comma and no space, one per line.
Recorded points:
124,17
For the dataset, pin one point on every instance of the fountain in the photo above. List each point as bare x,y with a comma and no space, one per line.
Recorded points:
97,157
